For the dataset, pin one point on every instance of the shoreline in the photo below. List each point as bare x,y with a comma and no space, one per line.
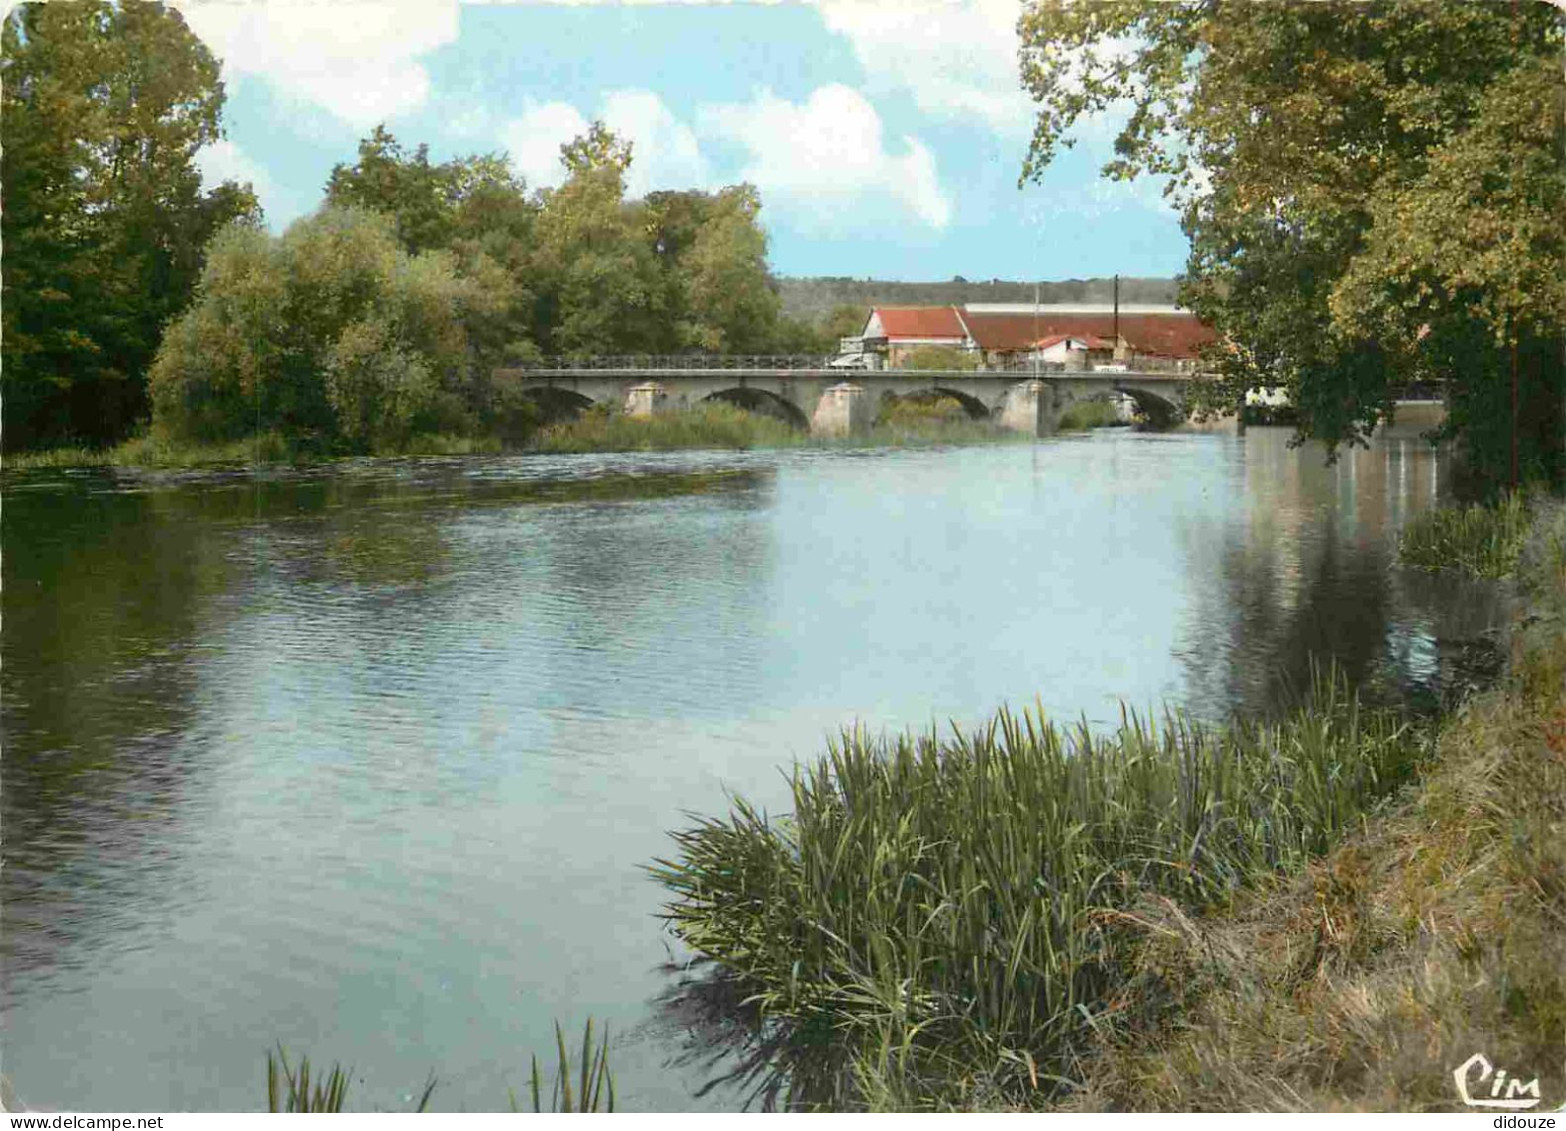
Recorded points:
1394,924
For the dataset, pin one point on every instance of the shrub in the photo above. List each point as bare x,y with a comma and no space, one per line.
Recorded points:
331,329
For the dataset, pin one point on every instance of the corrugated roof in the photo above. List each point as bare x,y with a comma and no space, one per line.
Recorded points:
921,322
1165,334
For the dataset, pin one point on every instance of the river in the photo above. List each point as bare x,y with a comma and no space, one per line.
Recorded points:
368,760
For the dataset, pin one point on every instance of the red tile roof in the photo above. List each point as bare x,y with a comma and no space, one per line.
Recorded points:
921,322
1175,334
1091,341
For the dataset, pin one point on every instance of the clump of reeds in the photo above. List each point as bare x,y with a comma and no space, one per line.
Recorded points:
712,425
290,1089
1480,540
941,919
1089,414
594,1089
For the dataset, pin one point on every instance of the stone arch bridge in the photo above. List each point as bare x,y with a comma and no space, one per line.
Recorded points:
838,401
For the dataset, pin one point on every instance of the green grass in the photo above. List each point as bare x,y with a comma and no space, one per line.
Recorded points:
290,1089
153,450
294,1090
1436,932
594,1091
941,919
708,426
1483,541
1089,414
905,424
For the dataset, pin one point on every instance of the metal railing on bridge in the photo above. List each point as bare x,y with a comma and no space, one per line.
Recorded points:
653,363
678,361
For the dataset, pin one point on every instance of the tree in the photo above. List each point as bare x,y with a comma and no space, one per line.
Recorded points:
599,278
939,357
1485,297
733,306
845,320
332,330
1294,135
406,187
104,108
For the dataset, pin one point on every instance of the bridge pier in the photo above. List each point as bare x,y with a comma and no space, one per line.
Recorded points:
844,410
1030,408
648,399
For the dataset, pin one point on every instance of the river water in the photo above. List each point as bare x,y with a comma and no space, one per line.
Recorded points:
368,760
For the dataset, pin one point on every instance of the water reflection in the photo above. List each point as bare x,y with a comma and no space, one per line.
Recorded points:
1304,568
368,759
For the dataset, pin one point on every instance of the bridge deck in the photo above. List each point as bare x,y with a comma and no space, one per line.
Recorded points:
853,375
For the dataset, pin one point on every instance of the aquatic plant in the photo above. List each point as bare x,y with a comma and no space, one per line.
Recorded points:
294,1090
290,1089
941,921
594,1091
1482,540
1088,414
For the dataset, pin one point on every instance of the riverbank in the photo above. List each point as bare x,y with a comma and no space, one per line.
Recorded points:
1331,911
712,427
1435,933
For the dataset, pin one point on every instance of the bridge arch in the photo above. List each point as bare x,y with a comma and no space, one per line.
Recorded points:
1161,411
763,403
972,405
555,404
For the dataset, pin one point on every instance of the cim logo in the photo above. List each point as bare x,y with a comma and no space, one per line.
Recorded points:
1504,1091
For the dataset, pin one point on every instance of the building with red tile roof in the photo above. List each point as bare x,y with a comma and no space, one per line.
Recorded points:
1007,333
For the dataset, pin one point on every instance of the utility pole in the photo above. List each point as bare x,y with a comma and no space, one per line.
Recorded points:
1117,312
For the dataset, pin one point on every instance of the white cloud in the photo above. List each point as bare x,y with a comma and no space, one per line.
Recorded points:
824,161
534,140
957,60
664,150
357,59
224,161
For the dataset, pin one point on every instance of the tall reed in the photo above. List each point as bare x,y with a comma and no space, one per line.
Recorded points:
1484,541
294,1090
594,1091
714,425
940,917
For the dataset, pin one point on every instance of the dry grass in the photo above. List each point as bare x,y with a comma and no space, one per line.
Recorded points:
1438,932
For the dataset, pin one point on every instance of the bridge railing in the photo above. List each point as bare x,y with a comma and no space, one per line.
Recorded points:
655,362
1139,364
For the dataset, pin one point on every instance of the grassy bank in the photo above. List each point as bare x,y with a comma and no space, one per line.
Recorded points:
904,423
712,426
1436,932
1333,910
151,450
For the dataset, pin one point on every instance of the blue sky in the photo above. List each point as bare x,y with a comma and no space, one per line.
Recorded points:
885,137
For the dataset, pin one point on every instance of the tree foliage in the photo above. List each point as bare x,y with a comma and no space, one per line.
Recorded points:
104,221
332,330
581,268
1371,191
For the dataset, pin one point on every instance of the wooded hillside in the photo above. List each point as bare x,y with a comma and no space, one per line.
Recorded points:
811,299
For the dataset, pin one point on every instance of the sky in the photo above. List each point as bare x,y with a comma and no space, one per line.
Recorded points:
885,136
